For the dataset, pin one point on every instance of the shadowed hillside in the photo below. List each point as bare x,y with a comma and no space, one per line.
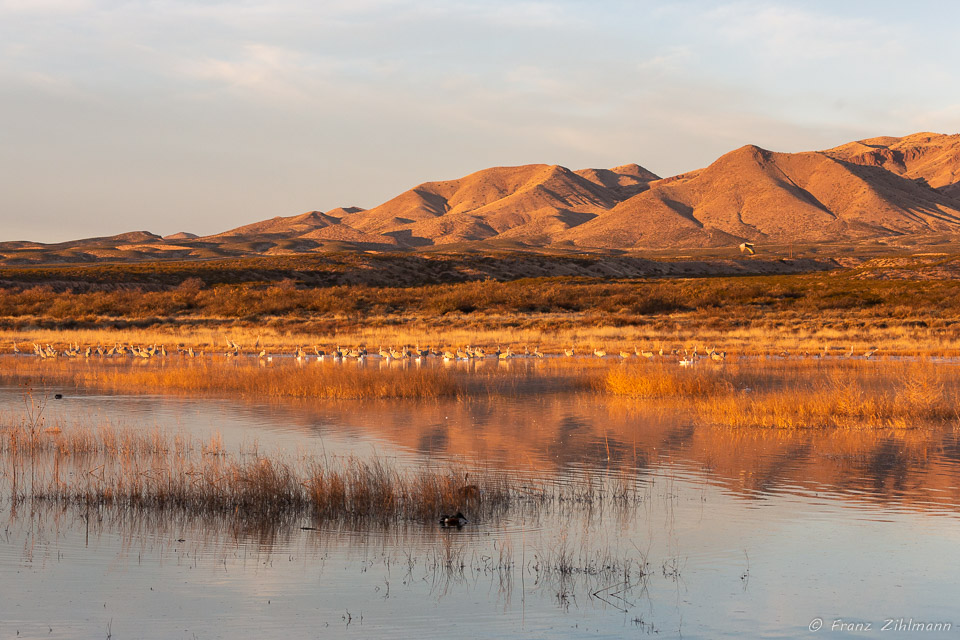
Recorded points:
929,157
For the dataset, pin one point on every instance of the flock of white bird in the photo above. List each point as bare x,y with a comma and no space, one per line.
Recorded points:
684,357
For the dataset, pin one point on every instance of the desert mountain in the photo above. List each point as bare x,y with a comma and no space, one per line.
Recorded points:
530,203
875,188
759,195
932,157
625,181
283,225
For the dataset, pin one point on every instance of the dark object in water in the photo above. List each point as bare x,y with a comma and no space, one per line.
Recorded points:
469,491
58,396
453,521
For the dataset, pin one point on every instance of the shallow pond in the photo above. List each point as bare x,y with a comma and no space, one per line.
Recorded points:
731,533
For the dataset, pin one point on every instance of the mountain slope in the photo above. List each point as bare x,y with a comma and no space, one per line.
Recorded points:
861,191
530,202
283,225
933,157
759,195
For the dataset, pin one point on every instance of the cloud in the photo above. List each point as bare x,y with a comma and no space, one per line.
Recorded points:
518,15
39,7
231,111
668,60
790,33
268,72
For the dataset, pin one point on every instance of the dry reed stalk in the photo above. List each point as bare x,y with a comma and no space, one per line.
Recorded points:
313,379
324,380
794,395
130,470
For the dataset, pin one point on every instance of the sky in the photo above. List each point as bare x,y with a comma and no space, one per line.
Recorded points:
168,116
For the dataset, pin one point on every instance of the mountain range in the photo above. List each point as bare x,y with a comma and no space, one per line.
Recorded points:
877,188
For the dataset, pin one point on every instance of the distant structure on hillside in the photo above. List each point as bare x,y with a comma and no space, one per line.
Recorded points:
747,247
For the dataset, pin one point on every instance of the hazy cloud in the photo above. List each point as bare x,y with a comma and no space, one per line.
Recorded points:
205,115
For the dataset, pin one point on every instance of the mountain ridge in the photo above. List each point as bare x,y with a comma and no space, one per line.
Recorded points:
875,188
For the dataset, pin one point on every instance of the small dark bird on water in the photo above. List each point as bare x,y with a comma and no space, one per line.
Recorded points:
58,396
453,521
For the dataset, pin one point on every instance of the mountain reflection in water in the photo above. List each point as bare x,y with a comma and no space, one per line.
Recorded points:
732,533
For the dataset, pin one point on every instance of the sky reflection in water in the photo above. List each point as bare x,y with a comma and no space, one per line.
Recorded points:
735,533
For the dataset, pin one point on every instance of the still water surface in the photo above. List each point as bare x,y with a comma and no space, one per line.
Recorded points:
733,534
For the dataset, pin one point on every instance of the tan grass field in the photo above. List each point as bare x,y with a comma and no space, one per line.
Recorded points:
804,394
754,340
739,392
902,306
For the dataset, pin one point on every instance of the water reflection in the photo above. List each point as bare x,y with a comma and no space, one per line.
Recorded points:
690,558
561,435
733,533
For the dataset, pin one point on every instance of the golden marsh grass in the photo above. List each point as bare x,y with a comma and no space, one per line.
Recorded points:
330,382
349,380
793,395
742,392
769,335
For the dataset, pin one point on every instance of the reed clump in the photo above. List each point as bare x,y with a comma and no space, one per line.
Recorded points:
154,471
348,380
801,394
654,381
250,380
919,395
315,381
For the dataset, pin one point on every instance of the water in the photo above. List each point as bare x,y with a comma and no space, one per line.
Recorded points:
732,533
